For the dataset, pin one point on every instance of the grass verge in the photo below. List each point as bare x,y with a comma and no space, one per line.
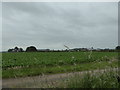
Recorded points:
38,70
98,80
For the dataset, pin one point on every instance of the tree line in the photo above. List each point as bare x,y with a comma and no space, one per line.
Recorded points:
28,49
34,49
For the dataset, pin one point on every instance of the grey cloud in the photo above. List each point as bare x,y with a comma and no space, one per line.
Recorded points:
51,25
1,26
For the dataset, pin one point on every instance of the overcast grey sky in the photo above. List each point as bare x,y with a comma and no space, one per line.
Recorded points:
53,25
1,26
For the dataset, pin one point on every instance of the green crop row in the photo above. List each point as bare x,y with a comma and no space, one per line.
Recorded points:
28,59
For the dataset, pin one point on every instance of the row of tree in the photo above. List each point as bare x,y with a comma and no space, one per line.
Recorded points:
33,49
28,49
16,49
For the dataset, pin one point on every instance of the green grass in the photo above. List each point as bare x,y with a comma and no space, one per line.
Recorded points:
52,58
105,80
37,70
36,63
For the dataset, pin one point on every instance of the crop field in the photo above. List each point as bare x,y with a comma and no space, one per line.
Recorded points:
36,63
53,58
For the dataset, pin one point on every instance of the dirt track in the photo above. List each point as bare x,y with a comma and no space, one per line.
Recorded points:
44,80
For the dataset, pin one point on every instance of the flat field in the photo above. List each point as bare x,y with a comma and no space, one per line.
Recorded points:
35,63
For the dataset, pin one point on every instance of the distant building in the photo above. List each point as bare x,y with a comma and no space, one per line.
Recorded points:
43,50
80,49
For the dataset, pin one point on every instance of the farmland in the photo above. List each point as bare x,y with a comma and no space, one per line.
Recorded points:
36,63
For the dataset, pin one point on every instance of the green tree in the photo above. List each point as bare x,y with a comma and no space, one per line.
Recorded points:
31,49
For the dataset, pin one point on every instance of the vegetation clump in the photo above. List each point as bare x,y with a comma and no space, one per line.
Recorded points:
98,80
